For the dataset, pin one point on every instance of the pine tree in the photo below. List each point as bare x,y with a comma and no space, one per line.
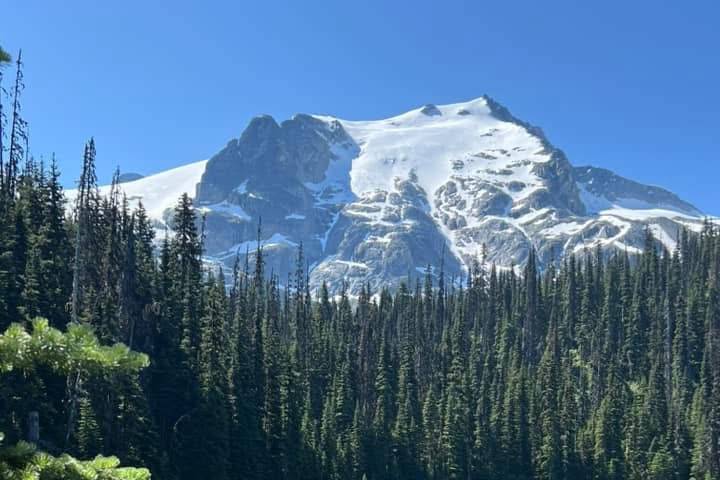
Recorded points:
185,249
431,435
272,372
608,458
213,417
406,431
549,455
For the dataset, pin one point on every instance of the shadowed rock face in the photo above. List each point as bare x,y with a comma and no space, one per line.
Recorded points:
509,192
272,156
267,178
604,183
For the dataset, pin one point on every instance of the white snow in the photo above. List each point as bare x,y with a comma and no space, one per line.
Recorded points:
435,147
227,209
242,188
335,188
629,248
662,235
324,238
643,214
161,191
277,239
593,203
562,229
598,204
463,143
352,264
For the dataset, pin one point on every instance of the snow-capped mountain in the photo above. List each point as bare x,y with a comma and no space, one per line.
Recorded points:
376,201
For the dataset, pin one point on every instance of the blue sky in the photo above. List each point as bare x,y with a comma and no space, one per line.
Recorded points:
627,85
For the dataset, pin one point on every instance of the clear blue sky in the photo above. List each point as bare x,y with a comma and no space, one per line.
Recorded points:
633,86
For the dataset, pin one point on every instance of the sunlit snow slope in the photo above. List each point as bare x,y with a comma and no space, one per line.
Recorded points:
160,192
376,201
438,142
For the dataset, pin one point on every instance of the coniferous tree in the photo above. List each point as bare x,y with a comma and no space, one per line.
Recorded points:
602,367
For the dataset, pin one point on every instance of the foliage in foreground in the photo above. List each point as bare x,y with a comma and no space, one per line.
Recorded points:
65,353
77,350
4,57
24,462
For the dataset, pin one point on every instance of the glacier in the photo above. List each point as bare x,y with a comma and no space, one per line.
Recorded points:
376,202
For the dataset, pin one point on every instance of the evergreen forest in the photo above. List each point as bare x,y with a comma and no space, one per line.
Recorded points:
122,346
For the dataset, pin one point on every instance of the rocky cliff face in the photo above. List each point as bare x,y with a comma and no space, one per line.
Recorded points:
289,179
378,201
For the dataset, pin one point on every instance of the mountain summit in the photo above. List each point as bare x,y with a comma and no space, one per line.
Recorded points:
377,201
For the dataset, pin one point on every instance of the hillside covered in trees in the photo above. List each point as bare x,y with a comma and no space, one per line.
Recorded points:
591,369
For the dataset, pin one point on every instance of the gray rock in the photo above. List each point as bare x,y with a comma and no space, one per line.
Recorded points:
604,183
292,176
129,177
430,110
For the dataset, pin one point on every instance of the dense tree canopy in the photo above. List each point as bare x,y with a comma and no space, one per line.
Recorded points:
62,353
599,367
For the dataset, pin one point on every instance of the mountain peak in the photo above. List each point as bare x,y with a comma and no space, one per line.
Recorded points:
261,125
373,200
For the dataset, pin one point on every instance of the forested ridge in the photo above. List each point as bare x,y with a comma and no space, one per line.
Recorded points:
596,368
